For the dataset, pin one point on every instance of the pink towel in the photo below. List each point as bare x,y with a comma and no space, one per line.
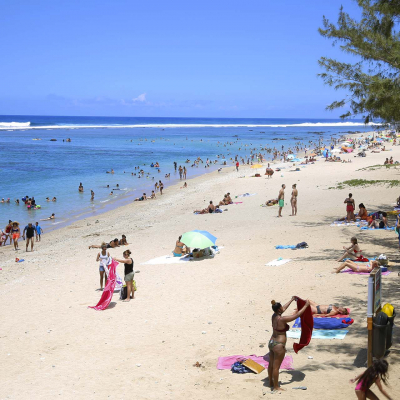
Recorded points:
350,271
108,291
227,362
335,316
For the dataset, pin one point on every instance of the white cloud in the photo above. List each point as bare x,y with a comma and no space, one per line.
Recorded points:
141,98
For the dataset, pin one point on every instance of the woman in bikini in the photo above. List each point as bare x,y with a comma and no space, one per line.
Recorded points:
350,206
367,267
15,234
178,251
277,343
362,214
352,251
293,200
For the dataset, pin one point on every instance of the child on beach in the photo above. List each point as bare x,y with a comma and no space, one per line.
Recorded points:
376,373
39,231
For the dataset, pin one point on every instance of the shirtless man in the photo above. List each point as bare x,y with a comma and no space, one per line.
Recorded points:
211,207
293,200
80,187
281,199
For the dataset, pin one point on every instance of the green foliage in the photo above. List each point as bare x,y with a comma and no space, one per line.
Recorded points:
378,166
373,83
364,183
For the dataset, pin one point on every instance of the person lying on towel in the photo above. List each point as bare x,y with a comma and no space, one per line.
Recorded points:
326,310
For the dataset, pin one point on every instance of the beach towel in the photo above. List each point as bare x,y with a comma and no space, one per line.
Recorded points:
245,195
108,291
227,362
321,334
350,271
167,260
307,324
344,223
277,262
289,246
365,228
327,323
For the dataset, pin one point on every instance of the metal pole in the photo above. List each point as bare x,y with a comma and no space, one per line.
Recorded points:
370,314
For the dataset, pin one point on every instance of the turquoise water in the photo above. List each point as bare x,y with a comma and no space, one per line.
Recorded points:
45,168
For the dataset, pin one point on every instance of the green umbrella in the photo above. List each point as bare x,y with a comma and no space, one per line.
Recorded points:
198,239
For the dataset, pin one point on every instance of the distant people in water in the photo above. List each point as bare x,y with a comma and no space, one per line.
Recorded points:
80,187
52,216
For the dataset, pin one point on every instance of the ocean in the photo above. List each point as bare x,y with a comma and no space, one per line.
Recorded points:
38,161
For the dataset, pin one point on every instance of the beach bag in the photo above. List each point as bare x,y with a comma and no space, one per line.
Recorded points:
382,260
123,293
302,245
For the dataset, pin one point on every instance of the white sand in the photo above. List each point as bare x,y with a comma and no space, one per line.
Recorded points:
53,346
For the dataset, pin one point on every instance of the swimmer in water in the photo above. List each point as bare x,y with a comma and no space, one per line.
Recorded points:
54,199
52,216
92,194
80,187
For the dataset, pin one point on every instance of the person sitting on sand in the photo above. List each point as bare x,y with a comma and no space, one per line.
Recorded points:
382,216
225,201
277,343
326,310
366,267
114,243
153,195
178,251
228,197
272,202
362,214
123,241
354,248
142,198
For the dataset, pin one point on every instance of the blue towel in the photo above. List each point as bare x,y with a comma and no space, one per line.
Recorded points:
326,323
324,334
365,228
285,247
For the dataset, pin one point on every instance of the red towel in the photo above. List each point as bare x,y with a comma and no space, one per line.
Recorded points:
307,325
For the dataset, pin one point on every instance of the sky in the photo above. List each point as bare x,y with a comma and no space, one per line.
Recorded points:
159,58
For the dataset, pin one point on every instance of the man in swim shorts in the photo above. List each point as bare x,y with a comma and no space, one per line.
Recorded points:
281,199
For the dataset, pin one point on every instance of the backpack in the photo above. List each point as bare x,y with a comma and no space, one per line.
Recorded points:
302,245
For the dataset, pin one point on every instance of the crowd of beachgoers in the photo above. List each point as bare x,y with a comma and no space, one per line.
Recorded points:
270,161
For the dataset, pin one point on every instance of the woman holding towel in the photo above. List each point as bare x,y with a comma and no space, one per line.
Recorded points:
277,343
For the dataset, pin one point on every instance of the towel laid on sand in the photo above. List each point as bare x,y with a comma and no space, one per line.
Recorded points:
365,228
167,260
350,271
344,223
327,323
321,334
307,324
227,362
246,195
277,262
289,246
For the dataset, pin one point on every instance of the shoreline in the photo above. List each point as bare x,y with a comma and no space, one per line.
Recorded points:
197,311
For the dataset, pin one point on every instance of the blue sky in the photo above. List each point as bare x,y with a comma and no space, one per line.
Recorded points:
255,58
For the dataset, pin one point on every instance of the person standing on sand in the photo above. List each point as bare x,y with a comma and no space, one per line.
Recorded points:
129,274
30,234
281,199
277,343
293,200
103,257
237,166
15,234
161,185
350,207
39,231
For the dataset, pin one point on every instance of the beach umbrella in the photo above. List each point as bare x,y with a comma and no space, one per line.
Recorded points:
198,239
256,166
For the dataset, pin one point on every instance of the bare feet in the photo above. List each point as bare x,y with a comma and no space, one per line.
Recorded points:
278,389
126,300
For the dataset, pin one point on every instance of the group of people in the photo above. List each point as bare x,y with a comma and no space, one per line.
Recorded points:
12,232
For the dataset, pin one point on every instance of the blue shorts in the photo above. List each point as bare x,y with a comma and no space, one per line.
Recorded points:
177,255
101,268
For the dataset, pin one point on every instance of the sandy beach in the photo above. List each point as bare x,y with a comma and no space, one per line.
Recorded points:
53,345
